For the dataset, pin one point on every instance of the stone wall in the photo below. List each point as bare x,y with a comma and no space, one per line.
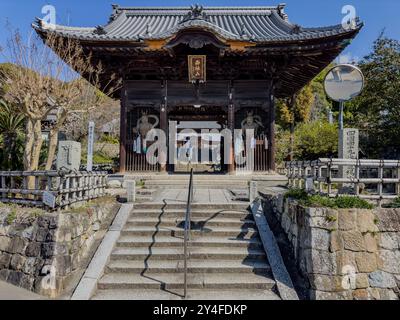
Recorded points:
345,253
42,254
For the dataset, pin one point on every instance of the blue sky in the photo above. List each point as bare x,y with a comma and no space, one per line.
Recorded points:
377,15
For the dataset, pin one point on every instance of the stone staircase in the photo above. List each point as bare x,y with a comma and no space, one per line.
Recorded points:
227,260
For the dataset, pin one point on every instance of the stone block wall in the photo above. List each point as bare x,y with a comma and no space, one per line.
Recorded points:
344,253
44,253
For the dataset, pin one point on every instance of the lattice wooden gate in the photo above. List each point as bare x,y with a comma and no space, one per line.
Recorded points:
256,155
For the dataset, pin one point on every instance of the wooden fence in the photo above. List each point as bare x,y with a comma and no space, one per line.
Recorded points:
27,188
368,179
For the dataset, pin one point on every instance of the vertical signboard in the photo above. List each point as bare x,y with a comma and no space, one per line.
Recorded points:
89,164
197,68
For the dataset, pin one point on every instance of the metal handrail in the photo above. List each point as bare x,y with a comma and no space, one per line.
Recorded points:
187,229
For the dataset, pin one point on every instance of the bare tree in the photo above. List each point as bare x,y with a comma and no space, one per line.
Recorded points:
74,99
47,79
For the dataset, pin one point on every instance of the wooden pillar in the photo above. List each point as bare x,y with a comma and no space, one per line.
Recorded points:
123,129
292,103
164,122
164,127
271,130
231,126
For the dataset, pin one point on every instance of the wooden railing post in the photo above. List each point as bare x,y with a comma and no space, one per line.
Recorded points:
380,184
398,179
357,177
3,186
329,177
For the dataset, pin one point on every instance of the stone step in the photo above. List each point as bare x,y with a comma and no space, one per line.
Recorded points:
145,192
167,281
197,186
194,266
162,241
195,222
193,294
240,233
195,206
156,253
185,177
196,214
143,198
225,181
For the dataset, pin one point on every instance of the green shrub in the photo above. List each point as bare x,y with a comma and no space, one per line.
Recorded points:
316,139
352,202
298,194
98,157
140,183
12,216
109,139
394,204
319,201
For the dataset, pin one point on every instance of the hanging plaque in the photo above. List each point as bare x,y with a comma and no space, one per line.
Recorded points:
197,68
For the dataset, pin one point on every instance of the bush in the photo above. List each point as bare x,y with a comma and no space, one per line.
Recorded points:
394,204
282,145
315,140
98,158
295,193
319,201
109,139
352,202
312,140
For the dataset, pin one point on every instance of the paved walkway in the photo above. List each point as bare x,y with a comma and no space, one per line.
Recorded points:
10,292
205,195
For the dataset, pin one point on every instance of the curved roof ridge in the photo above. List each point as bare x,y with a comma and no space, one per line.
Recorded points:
338,26
239,8
231,23
41,24
116,22
196,23
284,23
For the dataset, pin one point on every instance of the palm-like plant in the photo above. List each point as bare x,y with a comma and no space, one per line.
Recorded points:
11,125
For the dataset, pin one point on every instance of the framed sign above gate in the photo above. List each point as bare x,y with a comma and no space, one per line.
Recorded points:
197,68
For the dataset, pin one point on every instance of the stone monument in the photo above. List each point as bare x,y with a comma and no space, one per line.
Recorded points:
348,143
69,155
348,149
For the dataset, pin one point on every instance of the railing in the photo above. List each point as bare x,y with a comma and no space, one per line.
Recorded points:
28,187
186,239
368,179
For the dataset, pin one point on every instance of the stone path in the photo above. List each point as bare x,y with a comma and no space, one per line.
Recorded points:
10,292
206,195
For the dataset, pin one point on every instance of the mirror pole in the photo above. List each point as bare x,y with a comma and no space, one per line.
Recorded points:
341,105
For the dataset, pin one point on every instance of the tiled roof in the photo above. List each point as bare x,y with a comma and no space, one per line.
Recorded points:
258,24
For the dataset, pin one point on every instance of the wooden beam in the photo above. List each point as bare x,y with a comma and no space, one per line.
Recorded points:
123,129
155,45
236,45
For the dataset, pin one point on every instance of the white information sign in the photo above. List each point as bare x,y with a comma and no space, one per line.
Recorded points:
49,199
89,163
